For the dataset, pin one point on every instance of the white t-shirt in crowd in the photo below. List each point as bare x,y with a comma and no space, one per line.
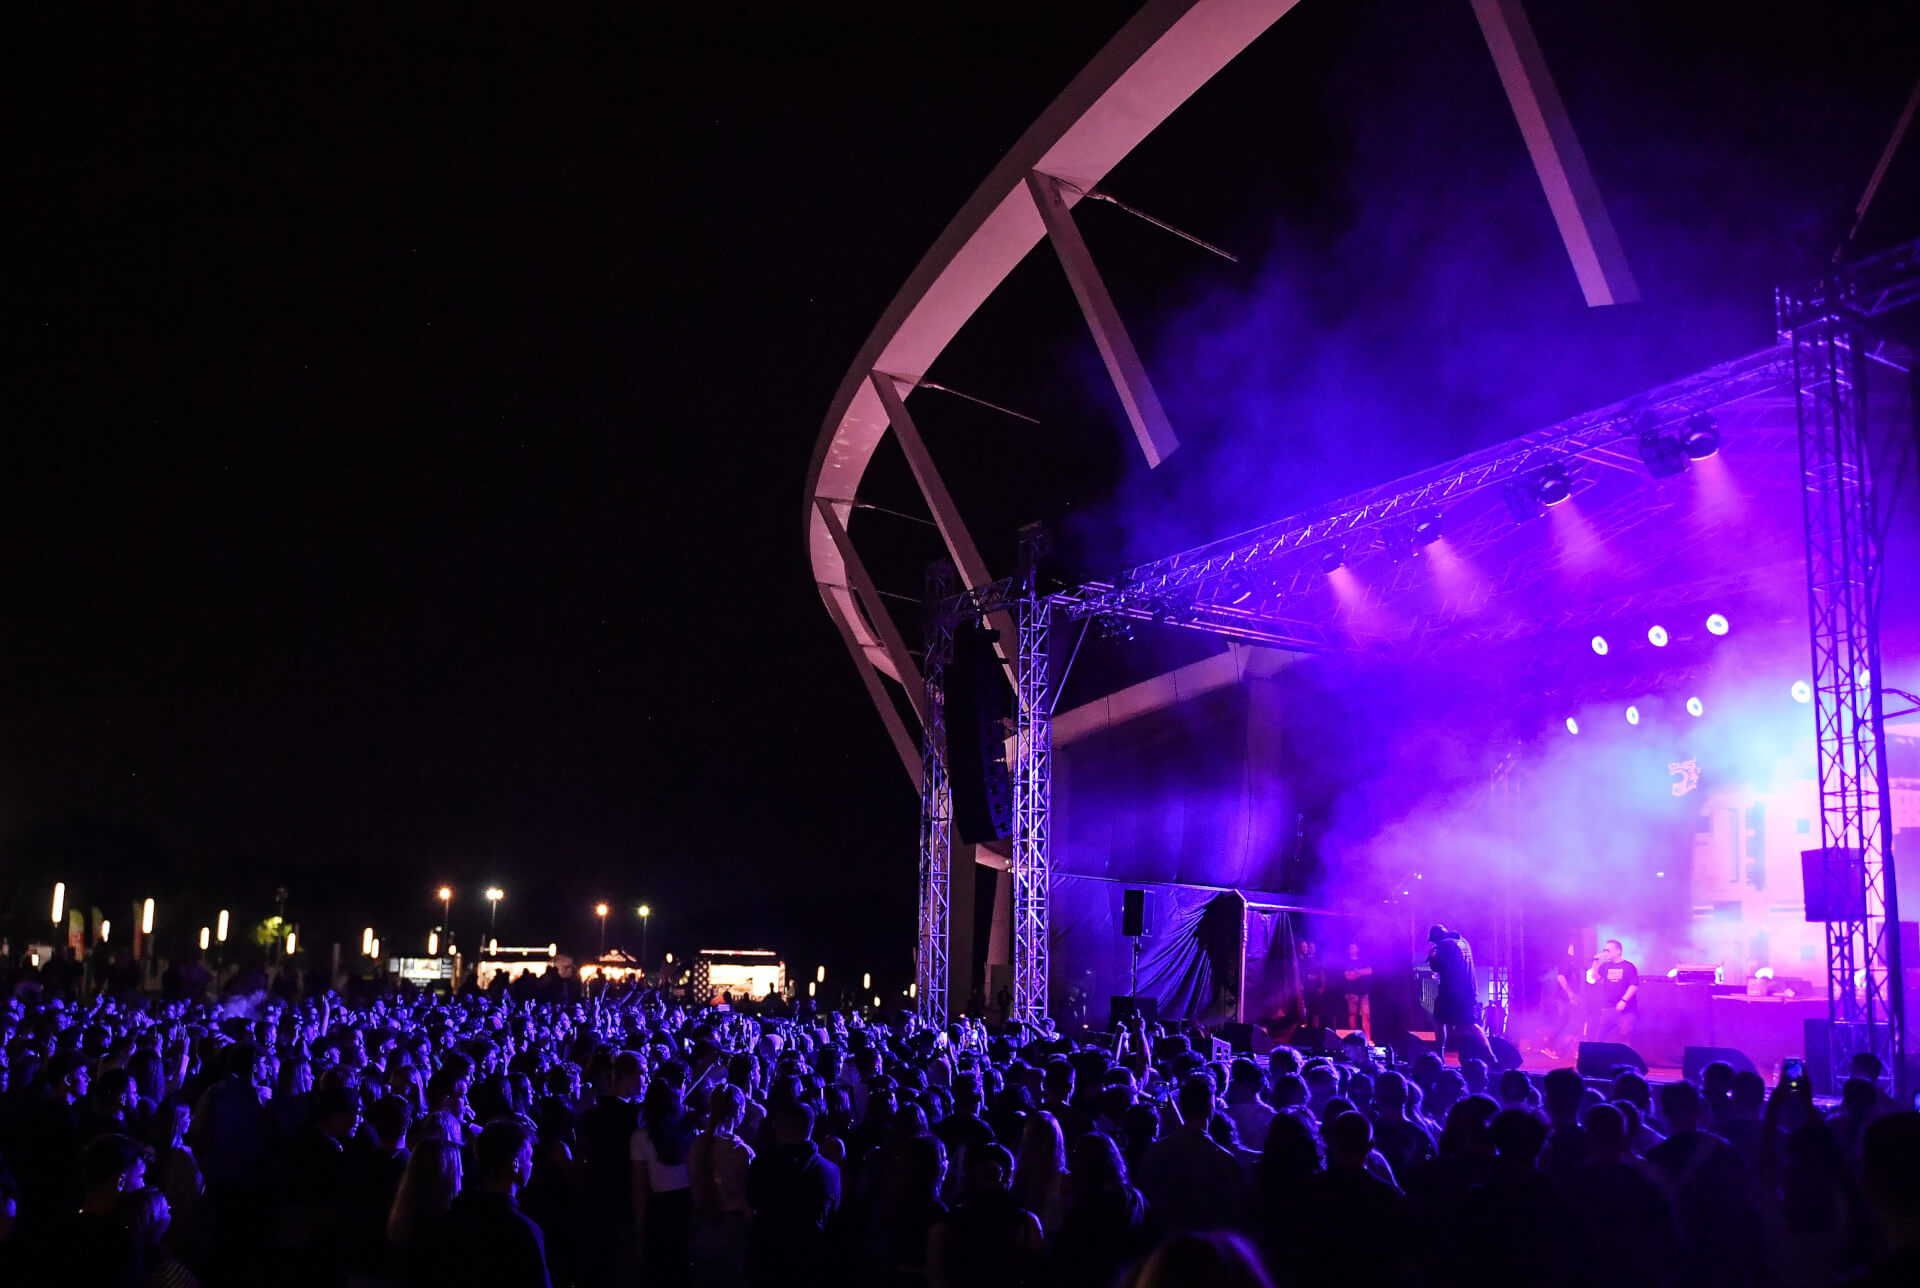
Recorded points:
660,1176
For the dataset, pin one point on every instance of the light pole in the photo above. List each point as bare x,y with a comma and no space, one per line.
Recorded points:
494,895
446,915
59,901
645,912
600,911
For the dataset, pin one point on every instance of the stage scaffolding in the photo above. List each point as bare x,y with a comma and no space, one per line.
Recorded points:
1252,588
1846,524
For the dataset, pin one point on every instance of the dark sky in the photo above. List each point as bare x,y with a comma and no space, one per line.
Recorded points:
407,481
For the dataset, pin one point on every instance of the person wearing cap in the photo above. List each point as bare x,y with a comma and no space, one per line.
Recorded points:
1456,1008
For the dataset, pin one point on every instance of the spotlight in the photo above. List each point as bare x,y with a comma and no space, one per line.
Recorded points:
1802,691
1600,645
1695,707
1717,625
1426,529
1332,560
1657,636
1633,715
1573,726
1552,485
1701,438
1663,454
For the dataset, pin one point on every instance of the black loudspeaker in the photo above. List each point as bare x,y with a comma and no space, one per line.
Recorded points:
978,706
1247,1039
1599,1059
1133,914
1505,1054
1122,1009
1696,1059
1833,883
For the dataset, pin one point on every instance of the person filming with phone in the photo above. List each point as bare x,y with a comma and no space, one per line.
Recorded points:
1616,985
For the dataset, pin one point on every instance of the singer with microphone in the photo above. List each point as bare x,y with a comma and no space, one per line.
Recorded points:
1616,987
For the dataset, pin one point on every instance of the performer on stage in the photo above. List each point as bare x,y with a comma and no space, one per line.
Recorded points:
1456,1010
1563,1004
1616,986
1356,983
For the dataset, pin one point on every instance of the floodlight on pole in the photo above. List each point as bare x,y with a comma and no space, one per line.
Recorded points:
866,980
646,914
494,895
59,901
600,911
205,936
220,931
146,917
446,914
433,943
293,942
366,942
106,928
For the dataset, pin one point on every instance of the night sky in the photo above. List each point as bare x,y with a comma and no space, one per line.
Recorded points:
407,482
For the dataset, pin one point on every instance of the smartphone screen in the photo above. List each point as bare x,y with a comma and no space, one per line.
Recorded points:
1792,1070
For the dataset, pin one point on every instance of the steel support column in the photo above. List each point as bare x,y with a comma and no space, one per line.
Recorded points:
936,803
1032,791
1844,572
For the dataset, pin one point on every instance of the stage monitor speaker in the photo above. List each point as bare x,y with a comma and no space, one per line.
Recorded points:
978,706
1833,884
1600,1059
1134,923
1505,1054
1247,1039
1696,1059
1122,1009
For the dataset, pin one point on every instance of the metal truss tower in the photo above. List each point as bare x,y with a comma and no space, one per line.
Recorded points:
1845,552
936,804
1032,787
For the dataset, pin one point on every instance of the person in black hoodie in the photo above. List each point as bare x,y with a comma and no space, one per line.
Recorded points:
485,1238
793,1192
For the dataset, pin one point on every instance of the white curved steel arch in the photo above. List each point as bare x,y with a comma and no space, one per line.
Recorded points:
1155,63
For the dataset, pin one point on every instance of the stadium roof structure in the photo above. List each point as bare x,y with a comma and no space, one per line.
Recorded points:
1158,60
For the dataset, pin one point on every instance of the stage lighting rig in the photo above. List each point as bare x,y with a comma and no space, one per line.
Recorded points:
1426,529
1333,559
1701,437
1552,484
1662,453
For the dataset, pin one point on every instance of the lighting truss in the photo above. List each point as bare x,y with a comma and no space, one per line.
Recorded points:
1845,571
1032,797
1251,585
936,804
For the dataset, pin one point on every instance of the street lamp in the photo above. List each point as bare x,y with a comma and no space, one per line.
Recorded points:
221,933
866,980
366,942
146,917
293,942
205,935
494,895
600,911
433,943
446,918
645,912
59,901
105,927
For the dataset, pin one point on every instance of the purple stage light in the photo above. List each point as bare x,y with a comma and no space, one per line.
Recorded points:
1330,561
1657,636
1802,691
1633,715
1573,726
1717,625
1600,645
1701,438
1552,485
1695,707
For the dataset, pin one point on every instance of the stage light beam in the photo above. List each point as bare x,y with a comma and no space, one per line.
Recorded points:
1600,645
1802,691
1701,438
1695,707
1717,625
1633,715
1657,636
1573,726
1552,485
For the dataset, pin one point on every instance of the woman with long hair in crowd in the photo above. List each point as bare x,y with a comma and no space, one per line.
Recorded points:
1103,1229
427,1190
662,1187
1041,1169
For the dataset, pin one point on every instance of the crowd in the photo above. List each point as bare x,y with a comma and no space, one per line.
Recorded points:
630,1139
